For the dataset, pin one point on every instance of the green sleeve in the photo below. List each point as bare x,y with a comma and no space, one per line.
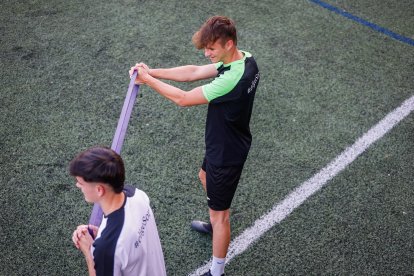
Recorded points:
224,83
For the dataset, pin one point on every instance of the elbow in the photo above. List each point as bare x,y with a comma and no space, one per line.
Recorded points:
181,101
187,78
184,100
191,74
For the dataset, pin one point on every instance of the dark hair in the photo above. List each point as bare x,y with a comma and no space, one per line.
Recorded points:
100,164
215,28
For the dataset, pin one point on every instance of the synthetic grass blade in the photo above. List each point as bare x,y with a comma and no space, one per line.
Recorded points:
118,140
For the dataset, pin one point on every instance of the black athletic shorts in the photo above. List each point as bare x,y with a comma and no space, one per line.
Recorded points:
221,184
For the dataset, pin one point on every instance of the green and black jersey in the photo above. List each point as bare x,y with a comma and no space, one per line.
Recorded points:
230,96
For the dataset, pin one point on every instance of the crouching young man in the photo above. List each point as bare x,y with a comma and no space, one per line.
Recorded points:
127,241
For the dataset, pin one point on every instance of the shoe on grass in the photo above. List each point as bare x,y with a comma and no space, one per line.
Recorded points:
202,227
208,273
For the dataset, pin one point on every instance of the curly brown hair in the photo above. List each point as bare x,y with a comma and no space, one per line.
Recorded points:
215,28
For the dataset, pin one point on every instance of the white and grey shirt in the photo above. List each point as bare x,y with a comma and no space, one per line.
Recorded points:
127,242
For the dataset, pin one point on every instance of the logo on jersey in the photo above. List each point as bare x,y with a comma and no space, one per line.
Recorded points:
141,232
254,83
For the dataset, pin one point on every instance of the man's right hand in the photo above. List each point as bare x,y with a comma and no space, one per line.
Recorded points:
142,69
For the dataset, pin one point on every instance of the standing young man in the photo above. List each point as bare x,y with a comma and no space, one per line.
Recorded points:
230,101
127,241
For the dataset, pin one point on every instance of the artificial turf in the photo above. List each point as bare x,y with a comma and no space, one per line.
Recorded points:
325,80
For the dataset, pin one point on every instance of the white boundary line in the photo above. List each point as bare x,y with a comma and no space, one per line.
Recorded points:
298,196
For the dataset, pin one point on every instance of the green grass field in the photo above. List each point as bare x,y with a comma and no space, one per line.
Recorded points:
325,80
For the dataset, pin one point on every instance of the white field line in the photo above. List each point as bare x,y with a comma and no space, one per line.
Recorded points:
298,196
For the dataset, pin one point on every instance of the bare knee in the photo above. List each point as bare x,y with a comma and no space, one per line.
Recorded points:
220,217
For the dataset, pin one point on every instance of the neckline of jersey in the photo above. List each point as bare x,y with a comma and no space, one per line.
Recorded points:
245,55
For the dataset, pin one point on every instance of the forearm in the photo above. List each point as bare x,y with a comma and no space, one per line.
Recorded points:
91,265
182,73
170,92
